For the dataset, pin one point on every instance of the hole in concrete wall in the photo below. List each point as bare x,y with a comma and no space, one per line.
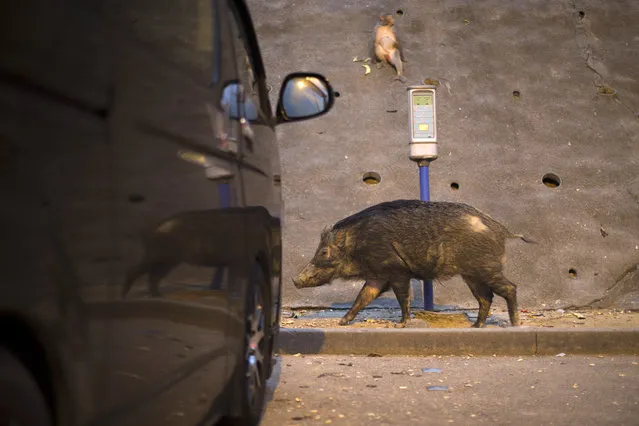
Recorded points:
337,94
454,186
400,12
516,94
551,180
582,13
371,178
572,272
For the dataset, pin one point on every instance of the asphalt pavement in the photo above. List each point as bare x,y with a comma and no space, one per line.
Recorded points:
437,390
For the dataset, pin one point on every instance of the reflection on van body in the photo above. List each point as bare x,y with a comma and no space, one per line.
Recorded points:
205,238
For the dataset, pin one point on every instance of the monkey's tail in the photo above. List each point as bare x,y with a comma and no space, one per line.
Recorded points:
396,60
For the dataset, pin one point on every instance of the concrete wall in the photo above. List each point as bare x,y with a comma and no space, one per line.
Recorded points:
562,56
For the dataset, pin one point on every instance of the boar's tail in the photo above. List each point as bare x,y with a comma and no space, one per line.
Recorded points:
523,238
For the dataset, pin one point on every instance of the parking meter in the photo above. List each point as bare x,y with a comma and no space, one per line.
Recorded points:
423,123
423,149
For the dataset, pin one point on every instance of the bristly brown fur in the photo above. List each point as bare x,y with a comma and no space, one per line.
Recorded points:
389,243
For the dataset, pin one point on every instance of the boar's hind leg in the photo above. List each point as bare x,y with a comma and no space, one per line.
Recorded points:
508,290
484,296
368,293
401,291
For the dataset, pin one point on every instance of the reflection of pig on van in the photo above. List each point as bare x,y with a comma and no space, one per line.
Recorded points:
205,238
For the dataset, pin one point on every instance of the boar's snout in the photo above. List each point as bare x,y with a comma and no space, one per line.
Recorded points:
311,277
297,283
303,278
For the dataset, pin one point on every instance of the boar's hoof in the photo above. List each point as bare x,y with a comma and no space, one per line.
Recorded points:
344,321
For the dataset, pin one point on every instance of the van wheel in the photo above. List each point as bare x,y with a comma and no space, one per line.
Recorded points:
255,363
22,402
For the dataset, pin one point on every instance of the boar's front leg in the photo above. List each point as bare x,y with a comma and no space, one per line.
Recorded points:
132,275
368,293
402,292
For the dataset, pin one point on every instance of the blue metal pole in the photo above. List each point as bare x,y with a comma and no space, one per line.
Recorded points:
424,186
224,190
424,194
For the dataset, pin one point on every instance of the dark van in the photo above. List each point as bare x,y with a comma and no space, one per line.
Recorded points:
140,212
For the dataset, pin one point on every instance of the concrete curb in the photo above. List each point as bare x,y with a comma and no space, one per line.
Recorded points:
515,341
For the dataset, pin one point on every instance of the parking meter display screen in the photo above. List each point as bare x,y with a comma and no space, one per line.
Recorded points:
426,100
423,113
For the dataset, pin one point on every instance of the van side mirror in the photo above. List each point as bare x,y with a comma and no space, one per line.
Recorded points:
304,96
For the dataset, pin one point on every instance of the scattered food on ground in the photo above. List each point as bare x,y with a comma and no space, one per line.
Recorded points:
389,317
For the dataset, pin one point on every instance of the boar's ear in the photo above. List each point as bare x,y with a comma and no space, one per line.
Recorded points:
341,238
324,234
330,237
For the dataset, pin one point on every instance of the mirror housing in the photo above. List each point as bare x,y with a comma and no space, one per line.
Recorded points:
303,96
